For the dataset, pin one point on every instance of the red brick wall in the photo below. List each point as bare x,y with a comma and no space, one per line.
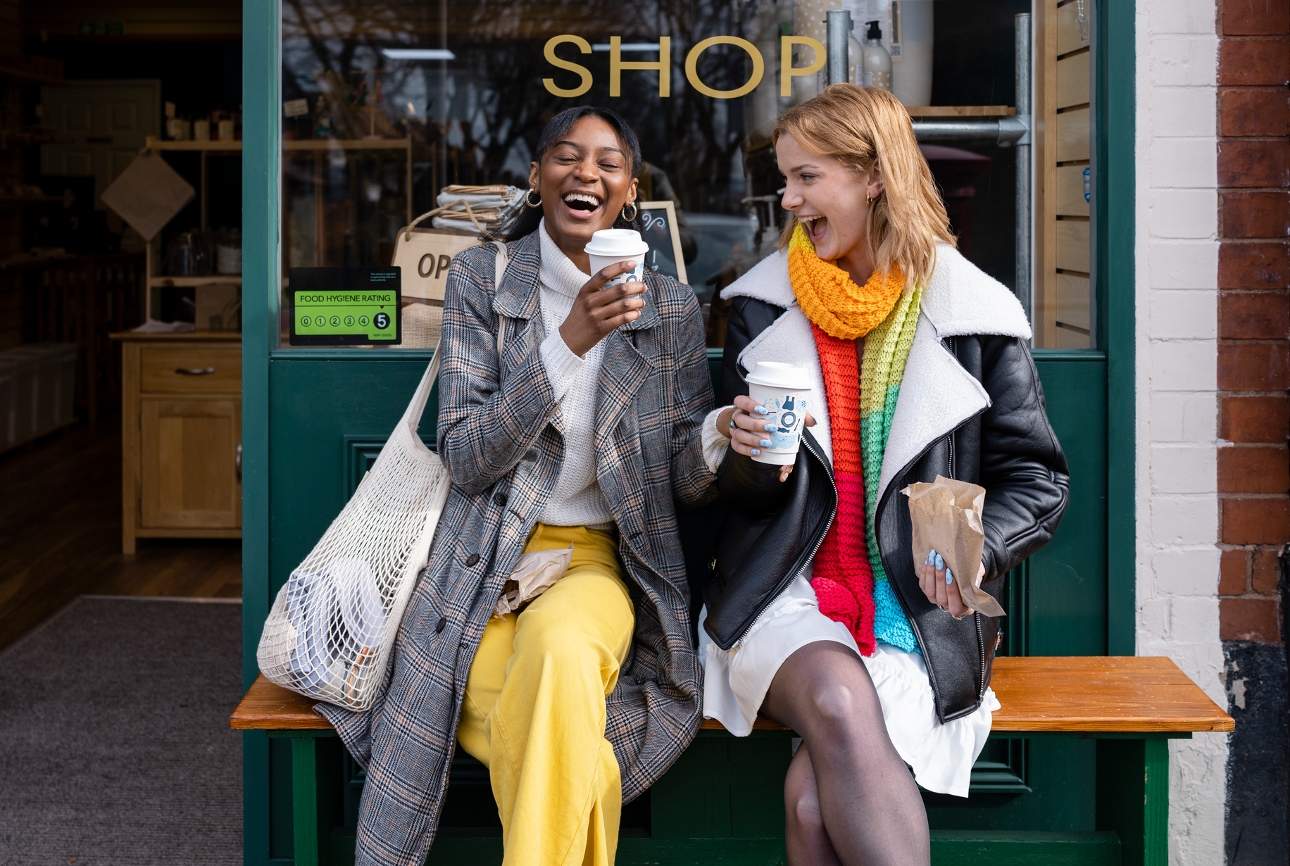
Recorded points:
1253,313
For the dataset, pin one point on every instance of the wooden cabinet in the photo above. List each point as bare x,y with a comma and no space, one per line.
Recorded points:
181,427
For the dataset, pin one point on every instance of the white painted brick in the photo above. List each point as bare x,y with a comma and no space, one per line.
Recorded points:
1173,16
1183,520
1182,417
1183,469
1153,616
1194,620
1186,572
1184,60
1185,315
1189,214
1182,111
1183,365
1183,163
1182,264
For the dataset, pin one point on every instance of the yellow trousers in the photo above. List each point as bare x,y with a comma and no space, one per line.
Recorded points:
534,711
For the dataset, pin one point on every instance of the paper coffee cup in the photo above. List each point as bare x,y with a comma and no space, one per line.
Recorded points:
783,390
618,245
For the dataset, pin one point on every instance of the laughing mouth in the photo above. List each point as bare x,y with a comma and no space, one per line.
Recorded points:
583,202
815,225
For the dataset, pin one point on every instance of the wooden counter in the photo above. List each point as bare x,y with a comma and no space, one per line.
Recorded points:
181,436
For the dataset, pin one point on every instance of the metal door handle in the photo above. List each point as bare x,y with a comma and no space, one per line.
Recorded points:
194,371
237,462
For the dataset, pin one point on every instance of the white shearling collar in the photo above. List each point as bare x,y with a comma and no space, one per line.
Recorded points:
959,299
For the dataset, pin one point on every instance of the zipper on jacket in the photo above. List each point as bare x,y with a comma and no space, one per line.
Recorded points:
980,642
793,574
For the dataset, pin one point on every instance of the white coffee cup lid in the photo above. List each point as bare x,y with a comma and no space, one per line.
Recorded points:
776,374
611,243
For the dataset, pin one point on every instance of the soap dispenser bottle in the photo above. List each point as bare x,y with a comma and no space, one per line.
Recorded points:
877,62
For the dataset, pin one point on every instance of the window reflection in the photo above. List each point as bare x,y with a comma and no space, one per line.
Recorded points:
405,98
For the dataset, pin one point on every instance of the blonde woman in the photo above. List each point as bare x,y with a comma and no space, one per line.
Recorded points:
817,614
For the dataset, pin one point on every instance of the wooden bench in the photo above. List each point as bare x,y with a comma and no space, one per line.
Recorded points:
1131,707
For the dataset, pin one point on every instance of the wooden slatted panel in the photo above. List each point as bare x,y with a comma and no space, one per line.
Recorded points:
1072,245
1058,693
1070,190
1072,80
1068,31
1073,301
1072,135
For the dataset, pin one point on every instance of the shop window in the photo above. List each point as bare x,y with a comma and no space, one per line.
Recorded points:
392,106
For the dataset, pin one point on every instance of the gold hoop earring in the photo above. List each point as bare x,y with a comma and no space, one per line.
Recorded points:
528,199
635,211
868,199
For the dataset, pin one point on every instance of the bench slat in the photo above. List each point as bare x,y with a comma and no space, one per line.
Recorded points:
1112,694
1109,694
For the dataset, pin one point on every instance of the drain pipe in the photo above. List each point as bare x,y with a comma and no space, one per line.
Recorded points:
838,50
1025,185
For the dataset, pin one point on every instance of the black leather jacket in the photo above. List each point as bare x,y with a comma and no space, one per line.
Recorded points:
773,530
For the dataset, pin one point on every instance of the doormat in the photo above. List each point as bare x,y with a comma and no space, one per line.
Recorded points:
114,738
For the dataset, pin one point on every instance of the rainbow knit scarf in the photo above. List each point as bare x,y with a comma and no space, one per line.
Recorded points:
849,579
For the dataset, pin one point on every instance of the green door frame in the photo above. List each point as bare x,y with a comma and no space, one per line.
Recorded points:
1113,257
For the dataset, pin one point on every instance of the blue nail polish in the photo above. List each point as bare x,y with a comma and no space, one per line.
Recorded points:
940,562
770,428
765,443
755,452
760,410
928,560
949,577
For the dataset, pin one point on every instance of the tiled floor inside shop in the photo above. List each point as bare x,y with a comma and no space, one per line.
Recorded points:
60,534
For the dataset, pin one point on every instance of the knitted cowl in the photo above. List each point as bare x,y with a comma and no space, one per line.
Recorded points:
849,579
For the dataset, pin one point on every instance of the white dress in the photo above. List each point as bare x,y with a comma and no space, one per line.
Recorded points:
735,681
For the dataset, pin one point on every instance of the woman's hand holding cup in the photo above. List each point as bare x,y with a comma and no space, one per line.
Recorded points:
598,310
745,424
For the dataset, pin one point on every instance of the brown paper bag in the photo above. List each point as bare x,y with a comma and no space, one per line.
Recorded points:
946,515
534,574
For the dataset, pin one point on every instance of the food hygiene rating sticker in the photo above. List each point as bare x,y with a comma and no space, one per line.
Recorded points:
345,306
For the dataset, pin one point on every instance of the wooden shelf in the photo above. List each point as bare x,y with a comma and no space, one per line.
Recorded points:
962,111
306,145
208,280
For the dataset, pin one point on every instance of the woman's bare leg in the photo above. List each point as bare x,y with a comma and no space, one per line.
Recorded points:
870,807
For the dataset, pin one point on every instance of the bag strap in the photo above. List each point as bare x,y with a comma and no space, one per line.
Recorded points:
412,417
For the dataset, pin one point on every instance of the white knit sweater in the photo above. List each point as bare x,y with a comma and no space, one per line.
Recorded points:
577,499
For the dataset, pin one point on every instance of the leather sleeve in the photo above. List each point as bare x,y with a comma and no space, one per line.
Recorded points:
747,319
1022,466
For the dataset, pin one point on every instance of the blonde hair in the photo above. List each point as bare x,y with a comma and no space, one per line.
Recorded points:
863,127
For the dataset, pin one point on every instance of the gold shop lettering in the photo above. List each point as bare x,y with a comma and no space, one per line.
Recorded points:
663,66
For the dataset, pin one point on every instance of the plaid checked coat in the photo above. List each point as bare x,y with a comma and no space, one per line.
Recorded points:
500,436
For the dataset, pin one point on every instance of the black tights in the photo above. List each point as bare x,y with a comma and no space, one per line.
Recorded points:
850,799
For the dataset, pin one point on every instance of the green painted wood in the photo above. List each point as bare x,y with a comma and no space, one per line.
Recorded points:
971,848
1133,798
312,845
1114,226
724,787
261,101
948,849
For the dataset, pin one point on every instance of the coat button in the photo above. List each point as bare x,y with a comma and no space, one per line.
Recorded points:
439,626
500,498
472,559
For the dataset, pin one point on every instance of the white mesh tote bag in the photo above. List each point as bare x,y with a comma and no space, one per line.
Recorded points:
333,624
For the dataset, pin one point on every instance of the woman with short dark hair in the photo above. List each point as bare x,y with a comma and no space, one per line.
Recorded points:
582,437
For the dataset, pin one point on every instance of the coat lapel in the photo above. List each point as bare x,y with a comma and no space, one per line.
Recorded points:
936,396
517,298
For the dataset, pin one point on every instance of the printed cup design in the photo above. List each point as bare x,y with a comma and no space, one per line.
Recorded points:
617,245
782,390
